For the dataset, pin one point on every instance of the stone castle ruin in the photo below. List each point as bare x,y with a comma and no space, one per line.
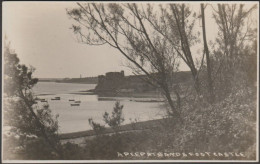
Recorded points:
110,82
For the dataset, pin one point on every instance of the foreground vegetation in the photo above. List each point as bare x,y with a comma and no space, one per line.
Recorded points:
226,127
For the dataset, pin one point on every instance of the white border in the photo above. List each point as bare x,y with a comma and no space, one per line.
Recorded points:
119,161
133,161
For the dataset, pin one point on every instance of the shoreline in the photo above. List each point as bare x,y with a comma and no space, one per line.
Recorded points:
146,94
143,125
137,127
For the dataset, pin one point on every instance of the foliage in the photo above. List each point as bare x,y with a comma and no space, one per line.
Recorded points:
116,118
235,27
114,121
234,54
33,128
228,125
96,126
73,152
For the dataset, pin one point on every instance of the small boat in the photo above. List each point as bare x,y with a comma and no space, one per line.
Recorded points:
71,100
77,101
74,104
43,100
38,99
56,98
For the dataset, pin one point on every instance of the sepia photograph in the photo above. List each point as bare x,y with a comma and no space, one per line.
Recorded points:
99,82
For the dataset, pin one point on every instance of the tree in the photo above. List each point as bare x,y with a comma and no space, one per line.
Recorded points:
123,27
114,121
232,30
206,49
34,126
179,17
236,36
175,22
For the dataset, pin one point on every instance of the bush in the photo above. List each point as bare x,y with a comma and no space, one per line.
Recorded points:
99,129
229,125
116,119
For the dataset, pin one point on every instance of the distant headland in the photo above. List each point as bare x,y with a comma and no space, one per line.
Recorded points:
83,80
116,83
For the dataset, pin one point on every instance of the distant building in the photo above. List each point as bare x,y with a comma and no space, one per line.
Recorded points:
110,82
112,75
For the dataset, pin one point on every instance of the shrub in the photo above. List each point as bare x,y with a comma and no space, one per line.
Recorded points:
116,119
99,129
229,125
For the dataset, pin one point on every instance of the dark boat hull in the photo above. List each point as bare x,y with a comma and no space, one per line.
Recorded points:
74,104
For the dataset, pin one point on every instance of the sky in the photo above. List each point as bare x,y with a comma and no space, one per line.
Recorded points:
40,34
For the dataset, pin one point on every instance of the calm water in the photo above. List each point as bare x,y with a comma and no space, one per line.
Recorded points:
75,118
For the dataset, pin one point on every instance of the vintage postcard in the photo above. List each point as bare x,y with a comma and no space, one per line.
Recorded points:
98,82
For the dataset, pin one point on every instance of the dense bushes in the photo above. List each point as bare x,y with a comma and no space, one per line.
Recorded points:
225,126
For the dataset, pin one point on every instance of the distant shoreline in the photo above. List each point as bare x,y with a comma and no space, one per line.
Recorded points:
66,82
74,82
83,80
